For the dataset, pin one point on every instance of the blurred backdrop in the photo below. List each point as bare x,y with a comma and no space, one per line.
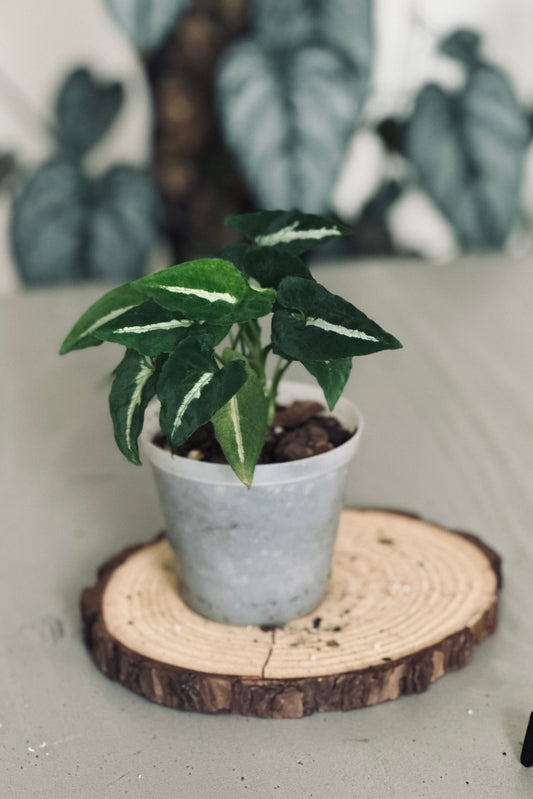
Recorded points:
131,125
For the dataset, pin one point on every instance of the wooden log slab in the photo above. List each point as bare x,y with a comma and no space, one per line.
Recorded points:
407,601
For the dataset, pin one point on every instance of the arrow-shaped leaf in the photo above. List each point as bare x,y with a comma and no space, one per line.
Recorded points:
208,289
313,324
191,390
240,425
292,230
152,330
133,388
267,265
332,377
108,308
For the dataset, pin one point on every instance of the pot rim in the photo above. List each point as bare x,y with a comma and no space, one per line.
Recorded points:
265,473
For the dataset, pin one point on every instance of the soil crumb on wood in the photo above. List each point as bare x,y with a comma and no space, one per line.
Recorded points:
300,430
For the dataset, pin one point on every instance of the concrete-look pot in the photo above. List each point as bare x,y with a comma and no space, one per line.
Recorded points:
260,555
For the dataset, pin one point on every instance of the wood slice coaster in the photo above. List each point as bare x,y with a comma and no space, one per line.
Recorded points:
407,601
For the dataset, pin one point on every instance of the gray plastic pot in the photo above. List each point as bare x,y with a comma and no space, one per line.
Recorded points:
260,555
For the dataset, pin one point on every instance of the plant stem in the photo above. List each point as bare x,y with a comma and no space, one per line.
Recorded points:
281,367
251,340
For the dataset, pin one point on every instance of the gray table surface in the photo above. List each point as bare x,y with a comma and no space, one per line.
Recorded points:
449,435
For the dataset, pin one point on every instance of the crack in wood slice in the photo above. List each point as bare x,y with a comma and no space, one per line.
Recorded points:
407,601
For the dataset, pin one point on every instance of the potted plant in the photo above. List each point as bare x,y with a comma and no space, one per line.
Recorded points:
257,553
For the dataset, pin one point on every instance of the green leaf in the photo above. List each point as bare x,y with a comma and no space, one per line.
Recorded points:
241,424
133,388
208,289
292,230
152,330
332,377
109,307
269,265
258,302
313,324
190,389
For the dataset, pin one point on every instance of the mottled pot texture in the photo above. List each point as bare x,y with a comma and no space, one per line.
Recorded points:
260,555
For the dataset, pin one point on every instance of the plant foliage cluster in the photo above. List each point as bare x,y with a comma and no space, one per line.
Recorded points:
193,338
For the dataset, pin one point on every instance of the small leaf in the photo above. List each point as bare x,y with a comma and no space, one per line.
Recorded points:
255,304
313,324
85,109
147,22
110,307
148,329
133,388
208,289
269,265
123,225
190,389
241,424
48,223
331,376
292,230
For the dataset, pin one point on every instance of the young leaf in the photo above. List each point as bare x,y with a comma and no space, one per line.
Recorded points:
313,324
292,230
133,388
269,265
332,377
109,307
256,303
240,425
152,330
208,289
190,389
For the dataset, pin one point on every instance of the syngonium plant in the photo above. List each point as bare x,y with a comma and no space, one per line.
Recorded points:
193,339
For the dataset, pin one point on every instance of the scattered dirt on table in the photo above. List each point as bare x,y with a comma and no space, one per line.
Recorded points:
300,430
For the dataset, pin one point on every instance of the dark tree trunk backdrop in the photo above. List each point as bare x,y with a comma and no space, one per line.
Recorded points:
199,183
